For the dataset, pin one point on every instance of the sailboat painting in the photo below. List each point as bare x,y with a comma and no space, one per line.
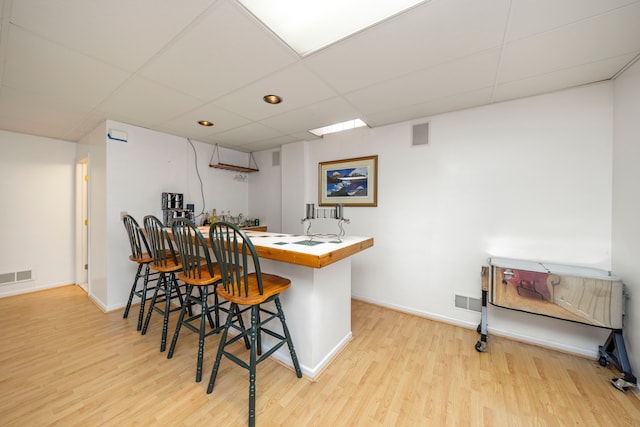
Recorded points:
351,182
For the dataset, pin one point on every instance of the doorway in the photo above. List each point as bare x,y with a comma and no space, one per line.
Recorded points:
82,225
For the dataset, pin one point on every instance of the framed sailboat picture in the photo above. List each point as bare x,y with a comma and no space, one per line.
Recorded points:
350,182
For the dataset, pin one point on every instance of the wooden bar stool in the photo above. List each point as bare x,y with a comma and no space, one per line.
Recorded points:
235,254
140,254
167,263
198,272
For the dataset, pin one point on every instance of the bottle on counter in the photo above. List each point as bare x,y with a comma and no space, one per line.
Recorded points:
214,217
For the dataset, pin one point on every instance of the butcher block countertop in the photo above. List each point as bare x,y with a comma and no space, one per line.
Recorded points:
302,250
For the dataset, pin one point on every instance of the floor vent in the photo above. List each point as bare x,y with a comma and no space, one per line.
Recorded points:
468,303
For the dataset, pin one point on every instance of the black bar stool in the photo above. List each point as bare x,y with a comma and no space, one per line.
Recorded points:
140,254
198,272
235,254
167,263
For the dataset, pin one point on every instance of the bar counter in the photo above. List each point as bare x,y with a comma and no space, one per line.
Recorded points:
318,303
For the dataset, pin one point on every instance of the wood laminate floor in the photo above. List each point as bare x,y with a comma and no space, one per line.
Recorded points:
64,362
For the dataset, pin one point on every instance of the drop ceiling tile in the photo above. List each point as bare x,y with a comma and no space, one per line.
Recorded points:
124,33
450,103
528,17
250,133
266,144
83,127
448,79
35,115
583,74
187,124
41,67
224,51
605,36
145,103
296,86
324,113
433,33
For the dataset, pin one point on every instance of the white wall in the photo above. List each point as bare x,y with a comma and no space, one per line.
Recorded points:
626,201
265,190
131,178
525,179
37,197
92,149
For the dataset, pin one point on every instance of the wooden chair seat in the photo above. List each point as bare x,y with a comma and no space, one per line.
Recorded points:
272,285
143,258
204,278
168,266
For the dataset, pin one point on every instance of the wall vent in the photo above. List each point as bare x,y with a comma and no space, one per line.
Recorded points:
7,278
475,304
468,303
420,134
23,275
275,158
13,277
461,301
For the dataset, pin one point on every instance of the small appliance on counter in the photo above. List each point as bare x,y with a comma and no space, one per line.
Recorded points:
173,207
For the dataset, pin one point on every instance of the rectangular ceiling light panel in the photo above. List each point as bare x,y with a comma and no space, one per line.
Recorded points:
309,25
338,127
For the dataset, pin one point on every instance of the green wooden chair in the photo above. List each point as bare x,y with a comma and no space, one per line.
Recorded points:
167,264
236,257
140,254
201,274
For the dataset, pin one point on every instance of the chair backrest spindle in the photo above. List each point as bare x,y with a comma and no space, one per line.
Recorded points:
192,248
237,257
137,240
161,248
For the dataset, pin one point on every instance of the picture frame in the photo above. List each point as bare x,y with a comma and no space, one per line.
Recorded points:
350,182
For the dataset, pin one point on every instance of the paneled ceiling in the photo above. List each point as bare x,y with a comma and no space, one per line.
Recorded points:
68,65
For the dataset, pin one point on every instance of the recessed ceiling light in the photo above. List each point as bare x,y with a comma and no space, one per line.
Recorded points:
205,123
338,127
272,99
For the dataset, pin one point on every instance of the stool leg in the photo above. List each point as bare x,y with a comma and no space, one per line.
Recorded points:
223,340
176,286
259,333
255,315
208,313
247,344
294,357
204,292
167,309
143,298
187,302
132,293
161,282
